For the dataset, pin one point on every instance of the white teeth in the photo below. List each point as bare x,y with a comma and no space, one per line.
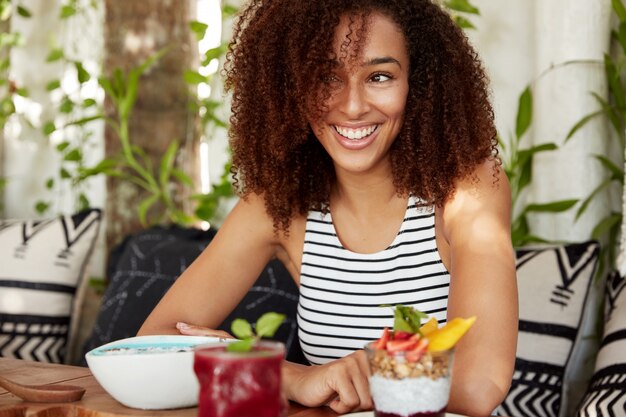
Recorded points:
355,134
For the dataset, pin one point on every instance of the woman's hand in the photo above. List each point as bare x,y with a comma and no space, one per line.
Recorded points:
341,384
190,330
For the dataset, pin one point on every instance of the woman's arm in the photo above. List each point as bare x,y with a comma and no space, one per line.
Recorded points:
476,224
219,278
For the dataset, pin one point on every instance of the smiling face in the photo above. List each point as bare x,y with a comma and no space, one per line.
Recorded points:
368,97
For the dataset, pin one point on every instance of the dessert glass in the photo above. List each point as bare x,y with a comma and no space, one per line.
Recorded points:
240,384
402,387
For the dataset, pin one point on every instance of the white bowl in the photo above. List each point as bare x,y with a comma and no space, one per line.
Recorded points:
149,372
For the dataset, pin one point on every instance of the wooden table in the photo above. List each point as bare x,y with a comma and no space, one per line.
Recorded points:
96,402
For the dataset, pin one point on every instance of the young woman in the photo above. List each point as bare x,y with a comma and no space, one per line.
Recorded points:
364,151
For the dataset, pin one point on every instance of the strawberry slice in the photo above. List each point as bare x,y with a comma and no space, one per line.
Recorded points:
382,342
418,351
401,335
401,345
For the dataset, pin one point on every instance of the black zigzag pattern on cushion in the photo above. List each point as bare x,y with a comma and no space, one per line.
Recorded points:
614,286
42,258
606,395
558,280
572,259
535,390
35,338
145,265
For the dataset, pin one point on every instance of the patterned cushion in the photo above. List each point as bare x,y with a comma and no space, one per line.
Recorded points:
606,395
43,266
146,264
554,286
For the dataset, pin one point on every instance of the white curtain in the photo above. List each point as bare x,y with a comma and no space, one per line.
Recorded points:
557,47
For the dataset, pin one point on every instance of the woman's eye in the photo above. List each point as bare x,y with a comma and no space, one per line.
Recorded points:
330,78
379,78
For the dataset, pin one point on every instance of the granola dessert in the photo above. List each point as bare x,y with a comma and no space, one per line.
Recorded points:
411,364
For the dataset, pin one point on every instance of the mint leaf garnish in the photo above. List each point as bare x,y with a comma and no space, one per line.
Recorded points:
265,326
244,345
241,329
268,323
407,319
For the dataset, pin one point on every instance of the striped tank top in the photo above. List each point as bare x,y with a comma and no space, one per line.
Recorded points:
341,292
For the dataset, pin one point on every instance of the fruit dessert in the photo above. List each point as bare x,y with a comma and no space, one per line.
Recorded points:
411,364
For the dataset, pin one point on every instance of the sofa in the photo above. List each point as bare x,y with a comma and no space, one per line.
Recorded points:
571,356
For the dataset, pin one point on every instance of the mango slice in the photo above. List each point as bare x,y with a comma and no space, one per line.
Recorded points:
446,337
429,327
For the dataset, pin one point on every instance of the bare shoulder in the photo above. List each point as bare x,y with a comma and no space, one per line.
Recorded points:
249,218
248,223
483,198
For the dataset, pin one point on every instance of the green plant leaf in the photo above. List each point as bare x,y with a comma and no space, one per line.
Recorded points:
228,10
62,146
55,55
240,345
241,329
144,206
107,86
583,207
81,73
50,183
132,82
84,121
66,106
198,28
89,102
167,163
5,10
617,173
48,128
524,113
23,11
553,207
22,91
268,323
182,177
214,53
53,85
615,83
67,10
75,155
605,225
41,207
194,77
463,6
64,174
83,202
582,122
621,35
463,23
619,9
611,112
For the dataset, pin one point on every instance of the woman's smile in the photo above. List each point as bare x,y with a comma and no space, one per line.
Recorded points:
356,138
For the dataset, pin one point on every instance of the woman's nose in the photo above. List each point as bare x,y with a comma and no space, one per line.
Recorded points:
353,100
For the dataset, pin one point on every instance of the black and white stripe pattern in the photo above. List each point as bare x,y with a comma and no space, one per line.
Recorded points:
341,292
606,395
554,285
44,263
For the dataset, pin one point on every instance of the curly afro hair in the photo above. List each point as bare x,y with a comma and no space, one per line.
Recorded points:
276,66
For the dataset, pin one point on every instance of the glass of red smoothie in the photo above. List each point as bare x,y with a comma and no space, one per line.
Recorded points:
240,384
